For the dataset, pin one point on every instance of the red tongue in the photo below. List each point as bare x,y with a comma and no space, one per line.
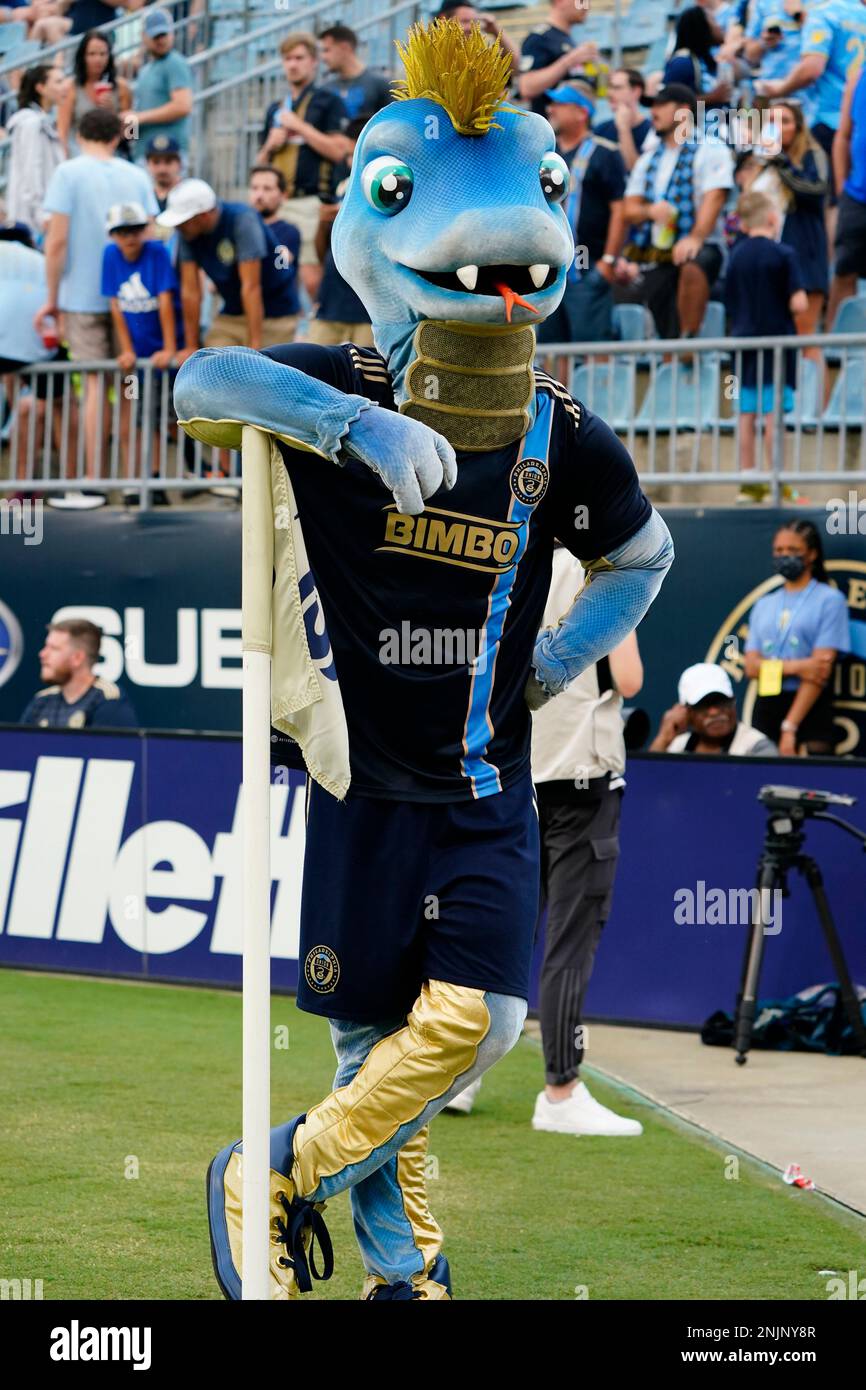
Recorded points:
511,298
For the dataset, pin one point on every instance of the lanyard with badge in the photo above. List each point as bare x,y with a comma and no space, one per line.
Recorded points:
771,670
575,196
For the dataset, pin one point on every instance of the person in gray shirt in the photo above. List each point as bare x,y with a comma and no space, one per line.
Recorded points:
363,92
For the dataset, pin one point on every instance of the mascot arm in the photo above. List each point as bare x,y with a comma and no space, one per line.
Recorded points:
618,591
219,390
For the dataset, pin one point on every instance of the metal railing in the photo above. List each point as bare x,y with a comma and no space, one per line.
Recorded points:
675,405
91,426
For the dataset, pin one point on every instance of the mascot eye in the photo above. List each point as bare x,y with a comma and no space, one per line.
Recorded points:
555,176
387,183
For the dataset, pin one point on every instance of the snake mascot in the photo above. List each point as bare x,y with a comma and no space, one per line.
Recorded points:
433,476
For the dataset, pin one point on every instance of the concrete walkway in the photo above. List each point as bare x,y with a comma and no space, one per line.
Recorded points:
782,1107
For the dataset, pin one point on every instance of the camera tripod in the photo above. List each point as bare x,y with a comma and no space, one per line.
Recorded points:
782,852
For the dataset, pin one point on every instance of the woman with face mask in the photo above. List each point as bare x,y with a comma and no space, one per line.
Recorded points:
795,634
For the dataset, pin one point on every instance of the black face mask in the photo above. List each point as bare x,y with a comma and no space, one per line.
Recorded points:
789,566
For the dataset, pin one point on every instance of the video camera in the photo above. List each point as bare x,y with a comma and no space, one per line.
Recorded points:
800,801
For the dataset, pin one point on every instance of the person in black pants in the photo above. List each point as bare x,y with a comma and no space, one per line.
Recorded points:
578,758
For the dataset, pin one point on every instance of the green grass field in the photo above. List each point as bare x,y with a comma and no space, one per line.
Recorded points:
104,1079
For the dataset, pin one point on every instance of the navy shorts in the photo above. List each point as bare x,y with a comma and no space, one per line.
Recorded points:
397,892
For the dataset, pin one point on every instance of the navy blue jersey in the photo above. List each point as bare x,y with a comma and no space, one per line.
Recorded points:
103,706
541,47
639,132
428,645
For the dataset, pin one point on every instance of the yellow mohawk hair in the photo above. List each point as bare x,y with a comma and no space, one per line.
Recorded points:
463,73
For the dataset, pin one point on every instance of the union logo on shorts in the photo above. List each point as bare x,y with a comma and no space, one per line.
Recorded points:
322,969
529,479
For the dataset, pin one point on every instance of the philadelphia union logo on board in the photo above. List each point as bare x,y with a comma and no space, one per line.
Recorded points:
11,644
529,479
322,969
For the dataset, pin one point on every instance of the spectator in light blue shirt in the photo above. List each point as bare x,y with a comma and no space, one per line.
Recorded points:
832,48
772,39
796,633
163,91
78,199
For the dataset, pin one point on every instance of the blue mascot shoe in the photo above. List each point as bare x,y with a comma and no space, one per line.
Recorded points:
295,1225
435,1283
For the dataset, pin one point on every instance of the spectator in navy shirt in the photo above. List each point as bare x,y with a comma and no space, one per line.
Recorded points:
630,125
229,242
303,138
549,55
267,196
361,91
594,208
340,316
763,291
77,18
75,697
280,270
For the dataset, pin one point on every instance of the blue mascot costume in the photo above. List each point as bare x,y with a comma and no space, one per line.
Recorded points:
433,477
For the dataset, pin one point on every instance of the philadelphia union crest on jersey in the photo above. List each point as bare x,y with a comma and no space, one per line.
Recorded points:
322,969
529,479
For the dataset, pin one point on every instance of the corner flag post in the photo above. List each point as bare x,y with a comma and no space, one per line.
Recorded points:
257,579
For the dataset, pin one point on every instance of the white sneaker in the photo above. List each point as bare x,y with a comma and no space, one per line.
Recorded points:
464,1100
76,501
581,1114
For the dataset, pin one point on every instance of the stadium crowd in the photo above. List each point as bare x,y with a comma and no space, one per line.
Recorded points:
736,171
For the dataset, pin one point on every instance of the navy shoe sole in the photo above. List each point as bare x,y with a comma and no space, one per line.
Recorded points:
223,1266
440,1271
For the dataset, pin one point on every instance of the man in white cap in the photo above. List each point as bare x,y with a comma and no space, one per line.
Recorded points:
233,246
705,720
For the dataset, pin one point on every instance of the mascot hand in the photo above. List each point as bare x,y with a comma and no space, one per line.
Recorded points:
536,694
412,460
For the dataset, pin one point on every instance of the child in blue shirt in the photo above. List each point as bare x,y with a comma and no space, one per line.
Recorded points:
139,279
763,292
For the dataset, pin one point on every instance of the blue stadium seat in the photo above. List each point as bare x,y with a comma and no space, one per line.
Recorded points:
851,318
633,323
807,405
597,28
643,30
681,399
713,325
603,111
658,52
23,54
11,35
848,399
608,389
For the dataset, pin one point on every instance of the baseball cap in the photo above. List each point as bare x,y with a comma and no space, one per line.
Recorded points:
187,199
157,22
704,679
161,144
677,92
125,215
571,95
